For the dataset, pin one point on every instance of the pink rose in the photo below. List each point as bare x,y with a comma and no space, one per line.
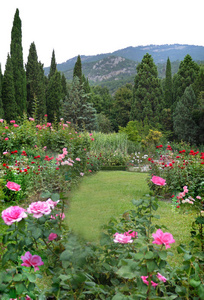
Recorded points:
13,186
158,180
161,278
39,208
81,174
6,127
1,120
6,139
163,238
12,121
30,260
131,233
78,159
52,236
122,238
31,119
13,214
145,280
51,203
15,125
198,197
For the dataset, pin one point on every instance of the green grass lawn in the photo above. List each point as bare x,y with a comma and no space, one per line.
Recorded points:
107,194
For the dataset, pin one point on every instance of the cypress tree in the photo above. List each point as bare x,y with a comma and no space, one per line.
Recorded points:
1,103
64,86
53,66
168,86
78,69
19,75
8,92
147,93
35,84
54,95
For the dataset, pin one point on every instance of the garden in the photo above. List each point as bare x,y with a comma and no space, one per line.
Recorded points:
70,229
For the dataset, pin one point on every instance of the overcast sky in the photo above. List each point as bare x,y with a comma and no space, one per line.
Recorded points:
89,27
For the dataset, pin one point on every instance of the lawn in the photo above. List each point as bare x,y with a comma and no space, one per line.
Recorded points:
107,194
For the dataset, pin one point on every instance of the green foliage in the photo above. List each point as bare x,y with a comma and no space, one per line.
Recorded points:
168,87
53,66
103,123
1,103
8,92
77,72
19,75
53,97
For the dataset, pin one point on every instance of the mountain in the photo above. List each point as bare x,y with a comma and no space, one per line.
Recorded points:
119,67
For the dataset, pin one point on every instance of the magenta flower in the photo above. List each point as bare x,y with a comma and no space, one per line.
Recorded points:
160,277
30,260
13,186
39,208
6,139
52,236
158,180
12,121
163,238
145,280
13,214
122,238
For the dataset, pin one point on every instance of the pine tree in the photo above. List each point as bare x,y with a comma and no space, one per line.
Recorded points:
78,69
147,93
53,66
64,86
8,92
54,95
186,75
35,84
1,103
168,86
184,124
19,75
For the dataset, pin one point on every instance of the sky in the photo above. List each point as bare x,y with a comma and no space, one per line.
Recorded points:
90,27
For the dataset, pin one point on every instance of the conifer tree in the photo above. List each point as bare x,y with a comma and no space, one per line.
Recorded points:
1,103
54,95
35,84
19,75
8,92
168,86
78,69
184,124
64,87
147,93
53,66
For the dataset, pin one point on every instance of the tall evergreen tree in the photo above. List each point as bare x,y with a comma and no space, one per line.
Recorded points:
19,75
168,86
35,84
147,93
186,75
8,92
184,124
54,95
64,87
1,103
78,69
53,66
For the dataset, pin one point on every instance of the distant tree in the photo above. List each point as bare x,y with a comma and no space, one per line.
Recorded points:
168,86
86,86
35,84
198,85
103,124
77,110
102,100
184,124
186,75
8,92
122,101
53,66
19,75
147,93
54,95
1,103
78,69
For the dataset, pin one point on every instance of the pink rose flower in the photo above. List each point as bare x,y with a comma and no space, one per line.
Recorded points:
198,197
12,121
160,277
78,159
13,214
31,119
131,233
81,174
6,139
6,127
122,238
158,180
163,238
1,120
5,152
15,125
30,260
145,280
51,203
13,186
52,236
39,208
